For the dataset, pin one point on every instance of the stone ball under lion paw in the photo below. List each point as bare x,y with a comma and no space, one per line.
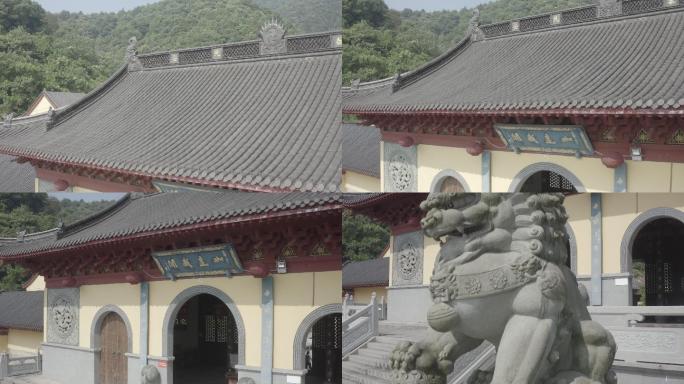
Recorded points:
426,362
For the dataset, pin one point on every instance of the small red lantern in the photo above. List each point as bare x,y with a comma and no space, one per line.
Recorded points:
612,159
406,141
61,185
475,149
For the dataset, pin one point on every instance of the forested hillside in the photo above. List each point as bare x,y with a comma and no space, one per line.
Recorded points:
74,52
380,42
35,212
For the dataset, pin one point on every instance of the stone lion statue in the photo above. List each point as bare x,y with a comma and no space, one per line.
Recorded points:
501,276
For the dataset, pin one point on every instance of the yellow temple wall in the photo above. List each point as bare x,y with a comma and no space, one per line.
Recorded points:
94,297
21,341
354,182
42,107
578,208
37,285
642,176
245,291
434,159
362,295
295,296
3,343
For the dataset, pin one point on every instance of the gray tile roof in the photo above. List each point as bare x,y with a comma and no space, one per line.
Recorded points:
16,177
22,310
369,273
361,149
626,62
136,214
63,99
268,122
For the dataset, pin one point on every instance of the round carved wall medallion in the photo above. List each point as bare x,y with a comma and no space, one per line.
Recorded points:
408,260
63,316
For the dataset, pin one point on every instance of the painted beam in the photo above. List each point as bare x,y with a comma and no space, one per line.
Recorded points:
596,249
144,321
486,171
620,178
267,330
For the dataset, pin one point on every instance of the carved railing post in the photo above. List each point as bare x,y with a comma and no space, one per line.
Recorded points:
4,365
345,314
374,316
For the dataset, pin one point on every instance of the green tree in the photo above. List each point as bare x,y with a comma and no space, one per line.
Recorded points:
362,238
22,13
373,12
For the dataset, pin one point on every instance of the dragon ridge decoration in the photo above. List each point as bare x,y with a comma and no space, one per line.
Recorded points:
500,276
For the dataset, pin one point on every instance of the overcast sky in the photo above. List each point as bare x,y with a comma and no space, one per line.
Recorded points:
89,6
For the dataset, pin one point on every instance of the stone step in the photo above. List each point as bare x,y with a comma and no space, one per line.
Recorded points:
374,353
358,378
390,340
365,368
381,347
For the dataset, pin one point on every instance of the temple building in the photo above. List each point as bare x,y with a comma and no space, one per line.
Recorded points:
625,249
48,100
589,99
360,158
209,287
261,115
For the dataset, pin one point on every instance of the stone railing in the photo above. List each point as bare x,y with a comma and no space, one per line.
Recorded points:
349,306
359,326
645,335
19,365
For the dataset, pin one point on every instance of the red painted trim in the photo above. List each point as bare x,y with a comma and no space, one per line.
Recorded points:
86,182
4,331
381,285
650,152
531,112
177,231
412,226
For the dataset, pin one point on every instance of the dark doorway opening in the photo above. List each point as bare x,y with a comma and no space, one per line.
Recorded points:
205,342
658,267
324,350
547,182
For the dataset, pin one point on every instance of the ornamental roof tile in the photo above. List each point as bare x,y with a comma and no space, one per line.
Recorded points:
632,59
137,214
361,149
369,273
16,177
22,310
242,120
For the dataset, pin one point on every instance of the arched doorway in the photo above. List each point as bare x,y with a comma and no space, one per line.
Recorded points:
323,358
318,345
546,177
449,181
205,342
113,340
657,265
547,181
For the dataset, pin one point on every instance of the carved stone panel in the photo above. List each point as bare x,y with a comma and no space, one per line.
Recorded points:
400,168
62,315
407,262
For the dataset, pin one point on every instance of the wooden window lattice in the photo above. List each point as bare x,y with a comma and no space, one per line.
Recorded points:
327,332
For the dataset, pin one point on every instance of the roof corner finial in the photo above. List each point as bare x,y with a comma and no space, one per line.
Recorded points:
272,37
132,55
355,83
21,235
7,123
474,31
396,84
51,118
609,8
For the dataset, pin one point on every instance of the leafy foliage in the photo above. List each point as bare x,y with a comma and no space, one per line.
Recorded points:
22,13
35,212
362,238
308,16
380,42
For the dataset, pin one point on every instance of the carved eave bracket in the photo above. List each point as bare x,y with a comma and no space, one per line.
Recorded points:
272,37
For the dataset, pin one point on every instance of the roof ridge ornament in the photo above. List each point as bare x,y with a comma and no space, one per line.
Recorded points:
474,30
396,84
132,60
51,119
609,8
7,123
272,37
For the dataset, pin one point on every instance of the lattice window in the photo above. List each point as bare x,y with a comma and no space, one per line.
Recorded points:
327,332
496,29
155,60
240,50
535,23
195,56
221,329
579,15
637,6
560,183
311,43
667,278
210,328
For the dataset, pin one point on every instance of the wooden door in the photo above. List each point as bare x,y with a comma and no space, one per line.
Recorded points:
114,343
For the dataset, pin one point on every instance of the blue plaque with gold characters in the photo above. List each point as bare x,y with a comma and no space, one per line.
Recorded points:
215,260
570,139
